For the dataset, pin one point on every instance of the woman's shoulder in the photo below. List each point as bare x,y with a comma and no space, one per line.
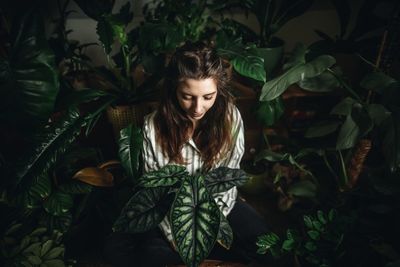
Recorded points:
148,122
234,113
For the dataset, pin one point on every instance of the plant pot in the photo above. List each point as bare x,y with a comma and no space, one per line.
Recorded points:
272,57
257,175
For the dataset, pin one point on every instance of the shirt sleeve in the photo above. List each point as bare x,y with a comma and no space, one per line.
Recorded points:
226,200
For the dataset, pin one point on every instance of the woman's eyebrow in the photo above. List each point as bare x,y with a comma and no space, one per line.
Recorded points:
209,94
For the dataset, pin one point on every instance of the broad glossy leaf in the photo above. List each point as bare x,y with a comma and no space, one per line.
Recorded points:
223,178
348,134
28,80
361,117
378,113
377,82
274,88
95,176
325,82
322,128
249,65
51,142
144,211
195,220
269,112
344,107
130,146
225,233
58,203
166,176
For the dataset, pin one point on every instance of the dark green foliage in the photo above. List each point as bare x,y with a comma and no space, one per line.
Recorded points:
196,221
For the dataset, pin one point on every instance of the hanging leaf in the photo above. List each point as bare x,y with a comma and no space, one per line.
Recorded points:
106,33
144,211
325,82
166,176
275,87
130,146
223,178
348,134
195,219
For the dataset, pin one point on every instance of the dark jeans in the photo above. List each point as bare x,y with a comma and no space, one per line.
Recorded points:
151,249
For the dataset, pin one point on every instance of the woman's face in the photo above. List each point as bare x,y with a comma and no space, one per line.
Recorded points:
196,97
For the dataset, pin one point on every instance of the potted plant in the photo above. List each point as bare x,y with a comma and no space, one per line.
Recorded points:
187,201
271,16
124,90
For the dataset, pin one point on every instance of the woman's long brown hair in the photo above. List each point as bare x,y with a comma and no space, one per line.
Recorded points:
212,136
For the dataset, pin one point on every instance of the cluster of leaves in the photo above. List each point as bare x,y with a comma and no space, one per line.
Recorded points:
37,248
320,242
196,221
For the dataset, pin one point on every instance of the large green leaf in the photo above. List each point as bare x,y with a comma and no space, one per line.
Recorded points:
225,234
195,220
42,188
166,176
344,107
249,64
58,203
377,81
325,82
378,113
28,78
144,211
223,178
348,134
269,112
275,87
130,146
51,142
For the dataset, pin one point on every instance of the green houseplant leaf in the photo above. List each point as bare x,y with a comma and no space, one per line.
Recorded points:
225,234
269,112
166,176
250,65
223,178
195,219
28,78
348,134
50,143
144,211
58,203
130,146
275,87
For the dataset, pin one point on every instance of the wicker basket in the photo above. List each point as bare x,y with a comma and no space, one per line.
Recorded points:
121,116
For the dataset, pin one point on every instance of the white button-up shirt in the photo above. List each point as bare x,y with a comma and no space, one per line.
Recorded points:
154,160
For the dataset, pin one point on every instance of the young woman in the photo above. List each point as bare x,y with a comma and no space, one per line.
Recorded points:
198,126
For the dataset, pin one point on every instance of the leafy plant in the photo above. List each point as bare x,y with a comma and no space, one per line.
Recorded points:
319,241
196,221
36,248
